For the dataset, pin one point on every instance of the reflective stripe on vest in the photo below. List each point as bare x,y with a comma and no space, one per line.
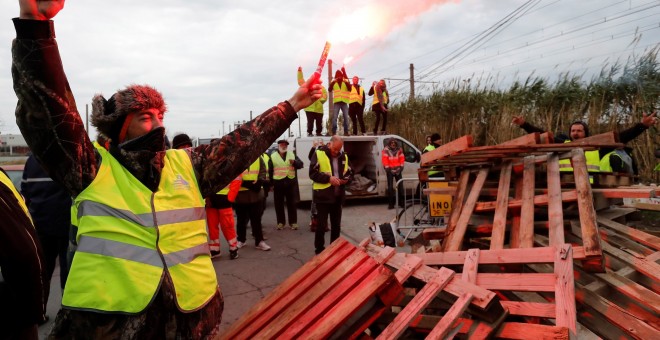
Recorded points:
128,236
251,174
356,96
281,167
385,98
341,93
625,158
326,168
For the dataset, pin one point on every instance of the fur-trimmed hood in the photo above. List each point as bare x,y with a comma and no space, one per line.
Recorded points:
108,115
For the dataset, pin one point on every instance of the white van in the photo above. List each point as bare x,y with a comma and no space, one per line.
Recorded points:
364,155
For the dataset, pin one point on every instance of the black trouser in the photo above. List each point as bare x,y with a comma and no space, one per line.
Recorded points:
248,212
314,117
285,189
379,113
356,112
55,246
334,211
391,180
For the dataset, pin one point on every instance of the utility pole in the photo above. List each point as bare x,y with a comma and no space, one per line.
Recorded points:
412,82
223,128
250,114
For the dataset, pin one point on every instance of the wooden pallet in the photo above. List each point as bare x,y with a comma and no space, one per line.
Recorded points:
559,282
339,292
518,164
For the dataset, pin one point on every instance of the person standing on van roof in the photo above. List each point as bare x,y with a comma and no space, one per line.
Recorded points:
50,207
314,112
330,171
341,89
393,162
356,106
379,104
23,283
142,268
282,169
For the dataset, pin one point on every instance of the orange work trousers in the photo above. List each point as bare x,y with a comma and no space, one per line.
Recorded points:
223,219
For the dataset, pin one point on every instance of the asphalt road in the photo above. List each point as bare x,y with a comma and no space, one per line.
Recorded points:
248,279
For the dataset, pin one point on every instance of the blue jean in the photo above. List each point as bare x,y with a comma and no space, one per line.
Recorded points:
344,108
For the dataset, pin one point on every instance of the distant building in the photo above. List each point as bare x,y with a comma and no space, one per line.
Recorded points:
13,145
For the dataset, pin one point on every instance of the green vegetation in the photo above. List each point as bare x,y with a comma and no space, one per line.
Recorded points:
613,100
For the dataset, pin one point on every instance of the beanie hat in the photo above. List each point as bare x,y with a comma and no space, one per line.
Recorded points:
435,137
180,140
108,116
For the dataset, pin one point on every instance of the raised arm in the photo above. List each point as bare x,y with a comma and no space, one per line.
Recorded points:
46,112
224,159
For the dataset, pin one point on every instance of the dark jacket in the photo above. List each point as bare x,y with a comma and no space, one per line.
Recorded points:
48,201
625,136
23,285
327,195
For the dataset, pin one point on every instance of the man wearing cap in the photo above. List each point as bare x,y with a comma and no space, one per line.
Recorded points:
181,141
142,268
282,170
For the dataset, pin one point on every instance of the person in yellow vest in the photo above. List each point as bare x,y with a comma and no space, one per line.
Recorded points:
23,277
356,106
379,104
341,89
249,204
330,171
282,168
579,130
142,268
314,112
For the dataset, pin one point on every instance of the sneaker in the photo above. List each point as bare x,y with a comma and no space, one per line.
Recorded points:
294,226
263,246
280,226
239,244
233,254
310,135
215,253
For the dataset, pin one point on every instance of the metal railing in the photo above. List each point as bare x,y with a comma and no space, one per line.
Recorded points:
413,215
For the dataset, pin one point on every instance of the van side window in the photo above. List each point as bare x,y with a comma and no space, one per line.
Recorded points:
408,152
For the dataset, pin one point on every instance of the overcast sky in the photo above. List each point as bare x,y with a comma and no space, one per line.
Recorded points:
215,61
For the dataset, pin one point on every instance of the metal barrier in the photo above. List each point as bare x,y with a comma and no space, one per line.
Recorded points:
415,214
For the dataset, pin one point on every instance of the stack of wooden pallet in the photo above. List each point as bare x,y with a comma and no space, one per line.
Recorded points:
513,208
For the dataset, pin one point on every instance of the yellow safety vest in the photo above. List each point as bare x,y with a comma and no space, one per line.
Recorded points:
341,93
356,96
592,158
326,168
251,174
605,165
376,100
428,148
129,238
281,167
316,106
8,183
